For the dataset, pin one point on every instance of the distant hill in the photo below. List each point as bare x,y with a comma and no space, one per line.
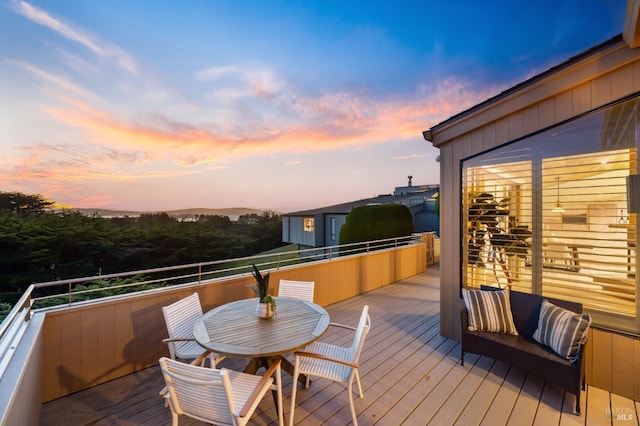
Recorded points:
234,212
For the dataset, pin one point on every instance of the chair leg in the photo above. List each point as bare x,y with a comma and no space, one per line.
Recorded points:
294,387
359,385
174,418
353,408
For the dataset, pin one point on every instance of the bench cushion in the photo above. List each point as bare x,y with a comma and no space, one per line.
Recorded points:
489,311
514,349
561,330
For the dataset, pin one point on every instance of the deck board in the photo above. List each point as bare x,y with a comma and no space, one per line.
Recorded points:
451,409
528,401
481,401
410,375
550,405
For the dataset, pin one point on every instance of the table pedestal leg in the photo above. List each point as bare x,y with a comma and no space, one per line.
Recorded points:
255,364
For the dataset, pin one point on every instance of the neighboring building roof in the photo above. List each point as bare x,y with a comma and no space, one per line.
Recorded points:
426,191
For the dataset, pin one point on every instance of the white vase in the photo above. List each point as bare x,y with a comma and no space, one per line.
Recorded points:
264,310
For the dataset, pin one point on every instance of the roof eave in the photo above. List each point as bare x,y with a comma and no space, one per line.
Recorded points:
430,134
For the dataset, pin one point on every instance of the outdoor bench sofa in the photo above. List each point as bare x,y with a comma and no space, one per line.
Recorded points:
522,350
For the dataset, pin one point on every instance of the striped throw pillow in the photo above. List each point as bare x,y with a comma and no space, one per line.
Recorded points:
489,311
561,329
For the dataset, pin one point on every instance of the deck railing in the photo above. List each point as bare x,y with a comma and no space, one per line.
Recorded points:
12,328
42,296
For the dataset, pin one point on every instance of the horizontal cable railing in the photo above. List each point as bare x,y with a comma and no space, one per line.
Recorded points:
79,289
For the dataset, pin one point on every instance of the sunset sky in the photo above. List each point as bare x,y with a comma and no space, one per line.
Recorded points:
283,105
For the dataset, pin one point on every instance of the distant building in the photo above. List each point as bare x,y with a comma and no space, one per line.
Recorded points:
321,227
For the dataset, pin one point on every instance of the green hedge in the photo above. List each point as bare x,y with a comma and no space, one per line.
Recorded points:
376,222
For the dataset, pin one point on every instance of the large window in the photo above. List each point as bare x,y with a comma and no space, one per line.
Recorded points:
548,214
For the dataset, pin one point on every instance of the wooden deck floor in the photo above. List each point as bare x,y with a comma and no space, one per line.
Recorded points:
410,374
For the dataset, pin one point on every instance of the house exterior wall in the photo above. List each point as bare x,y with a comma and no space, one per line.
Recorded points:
332,238
600,76
319,230
425,217
293,232
286,225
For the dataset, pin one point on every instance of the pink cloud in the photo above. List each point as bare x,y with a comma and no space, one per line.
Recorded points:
329,122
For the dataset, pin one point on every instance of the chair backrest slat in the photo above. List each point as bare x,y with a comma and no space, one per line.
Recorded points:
296,289
196,391
364,325
179,318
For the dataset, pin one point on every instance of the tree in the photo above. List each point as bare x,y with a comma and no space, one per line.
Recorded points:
67,244
266,232
219,221
24,204
155,219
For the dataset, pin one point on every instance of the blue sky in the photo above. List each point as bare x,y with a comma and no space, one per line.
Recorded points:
284,105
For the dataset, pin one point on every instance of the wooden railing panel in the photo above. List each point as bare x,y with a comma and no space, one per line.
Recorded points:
107,338
85,345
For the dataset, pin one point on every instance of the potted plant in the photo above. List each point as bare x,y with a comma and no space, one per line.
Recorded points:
267,304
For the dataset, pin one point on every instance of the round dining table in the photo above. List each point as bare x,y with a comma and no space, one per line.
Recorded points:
234,329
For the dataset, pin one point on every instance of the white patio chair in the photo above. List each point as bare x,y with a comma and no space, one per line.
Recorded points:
179,318
296,289
333,362
218,396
